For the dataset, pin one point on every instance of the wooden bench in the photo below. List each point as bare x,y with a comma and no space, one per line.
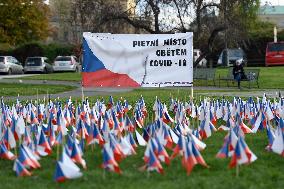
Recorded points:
207,74
252,75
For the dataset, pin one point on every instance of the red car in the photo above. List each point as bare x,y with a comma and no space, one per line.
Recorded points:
274,54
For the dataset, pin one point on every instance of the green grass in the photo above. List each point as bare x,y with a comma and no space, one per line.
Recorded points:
266,172
15,89
164,94
67,76
270,77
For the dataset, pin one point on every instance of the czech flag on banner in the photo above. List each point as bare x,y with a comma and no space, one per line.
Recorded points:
130,60
95,73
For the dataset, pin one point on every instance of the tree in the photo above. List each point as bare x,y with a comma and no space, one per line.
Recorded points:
170,16
210,20
23,20
235,17
84,16
153,16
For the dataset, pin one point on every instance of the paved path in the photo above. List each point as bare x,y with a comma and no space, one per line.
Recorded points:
74,93
16,76
216,91
269,92
41,82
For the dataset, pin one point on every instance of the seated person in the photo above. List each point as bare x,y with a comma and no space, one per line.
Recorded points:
238,71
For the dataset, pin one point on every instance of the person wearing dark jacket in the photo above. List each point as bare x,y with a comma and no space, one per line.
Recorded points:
238,72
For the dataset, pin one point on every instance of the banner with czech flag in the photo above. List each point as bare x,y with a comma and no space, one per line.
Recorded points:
132,60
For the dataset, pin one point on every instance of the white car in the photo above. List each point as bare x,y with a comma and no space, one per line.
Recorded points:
10,65
233,55
66,63
196,55
38,64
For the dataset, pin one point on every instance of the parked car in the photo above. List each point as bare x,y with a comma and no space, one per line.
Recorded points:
233,55
196,55
10,65
274,54
66,63
38,64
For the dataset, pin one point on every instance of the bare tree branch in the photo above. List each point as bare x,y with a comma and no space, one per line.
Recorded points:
179,16
210,42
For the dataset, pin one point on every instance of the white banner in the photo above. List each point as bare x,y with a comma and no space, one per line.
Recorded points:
132,60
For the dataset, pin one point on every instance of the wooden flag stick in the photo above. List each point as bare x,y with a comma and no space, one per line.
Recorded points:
57,151
37,96
16,150
237,170
194,122
47,96
93,147
20,140
82,90
104,173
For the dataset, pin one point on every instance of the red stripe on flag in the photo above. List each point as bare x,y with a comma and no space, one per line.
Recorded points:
106,78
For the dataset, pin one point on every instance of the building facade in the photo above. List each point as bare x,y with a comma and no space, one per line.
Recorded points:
273,14
64,30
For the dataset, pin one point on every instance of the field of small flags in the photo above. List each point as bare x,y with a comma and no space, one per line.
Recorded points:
130,142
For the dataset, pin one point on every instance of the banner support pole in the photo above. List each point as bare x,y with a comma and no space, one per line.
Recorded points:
191,89
82,91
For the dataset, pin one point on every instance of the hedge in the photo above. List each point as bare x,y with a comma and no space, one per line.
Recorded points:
50,51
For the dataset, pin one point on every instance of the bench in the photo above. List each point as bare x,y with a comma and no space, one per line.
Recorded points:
207,74
252,75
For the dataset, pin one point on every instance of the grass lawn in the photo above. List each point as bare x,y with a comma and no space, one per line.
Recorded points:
13,89
66,76
270,77
266,172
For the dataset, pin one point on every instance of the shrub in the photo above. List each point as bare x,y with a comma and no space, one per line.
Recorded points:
27,50
53,50
38,49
